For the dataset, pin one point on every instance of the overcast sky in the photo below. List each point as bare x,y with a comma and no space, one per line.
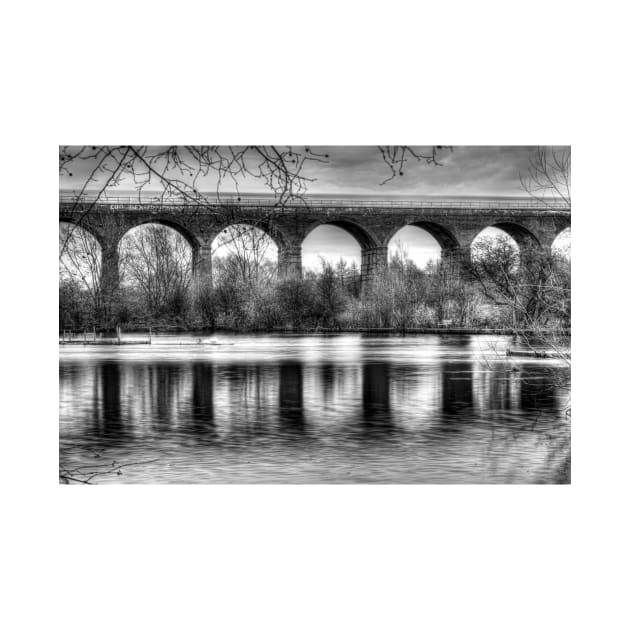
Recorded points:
360,170
465,171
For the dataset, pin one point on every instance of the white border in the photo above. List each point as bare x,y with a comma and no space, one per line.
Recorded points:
314,557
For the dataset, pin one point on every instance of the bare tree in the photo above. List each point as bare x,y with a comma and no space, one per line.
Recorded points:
548,177
184,173
246,253
80,263
396,158
158,261
531,284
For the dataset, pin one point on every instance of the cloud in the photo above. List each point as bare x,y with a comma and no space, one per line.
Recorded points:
360,170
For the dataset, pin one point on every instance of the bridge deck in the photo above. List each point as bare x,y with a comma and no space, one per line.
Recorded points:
147,201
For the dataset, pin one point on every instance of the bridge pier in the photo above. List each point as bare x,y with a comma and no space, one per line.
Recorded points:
373,265
290,261
202,267
459,260
110,283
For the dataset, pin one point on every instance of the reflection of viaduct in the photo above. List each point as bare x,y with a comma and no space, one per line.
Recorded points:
454,224
456,393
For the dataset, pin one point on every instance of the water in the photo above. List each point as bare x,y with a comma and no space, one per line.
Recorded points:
345,408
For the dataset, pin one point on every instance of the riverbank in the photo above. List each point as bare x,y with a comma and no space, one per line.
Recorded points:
437,330
425,331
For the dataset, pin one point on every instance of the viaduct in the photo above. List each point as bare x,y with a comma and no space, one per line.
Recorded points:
453,223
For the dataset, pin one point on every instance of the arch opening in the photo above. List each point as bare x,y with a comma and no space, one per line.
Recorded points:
188,237
155,268
414,244
561,245
495,247
337,244
524,239
80,257
243,252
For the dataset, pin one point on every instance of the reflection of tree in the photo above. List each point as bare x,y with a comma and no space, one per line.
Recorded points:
163,380
539,387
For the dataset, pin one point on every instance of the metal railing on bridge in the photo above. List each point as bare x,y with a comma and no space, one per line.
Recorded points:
140,202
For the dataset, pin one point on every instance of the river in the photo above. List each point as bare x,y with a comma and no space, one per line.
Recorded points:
346,408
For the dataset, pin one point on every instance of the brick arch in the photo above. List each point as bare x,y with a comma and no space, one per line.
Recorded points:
557,234
524,237
561,224
445,238
188,234
363,235
90,229
266,226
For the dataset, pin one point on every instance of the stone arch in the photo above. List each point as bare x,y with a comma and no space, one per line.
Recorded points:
194,245
373,253
445,238
251,251
524,238
184,231
81,253
87,227
266,226
561,243
361,234
201,262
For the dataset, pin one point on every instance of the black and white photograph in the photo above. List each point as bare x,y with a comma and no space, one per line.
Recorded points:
316,306
315,314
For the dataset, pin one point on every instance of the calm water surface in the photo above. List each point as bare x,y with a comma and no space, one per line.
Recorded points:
345,408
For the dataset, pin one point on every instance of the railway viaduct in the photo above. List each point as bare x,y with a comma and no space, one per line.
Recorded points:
453,223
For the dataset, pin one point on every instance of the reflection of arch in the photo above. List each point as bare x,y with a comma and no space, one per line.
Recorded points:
290,394
377,417
442,235
361,234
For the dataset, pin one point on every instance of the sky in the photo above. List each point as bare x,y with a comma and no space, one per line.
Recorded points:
360,170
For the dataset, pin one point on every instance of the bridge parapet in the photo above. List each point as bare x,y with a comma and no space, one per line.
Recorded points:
69,202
